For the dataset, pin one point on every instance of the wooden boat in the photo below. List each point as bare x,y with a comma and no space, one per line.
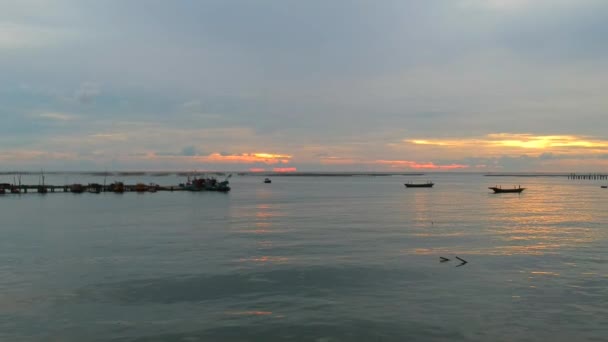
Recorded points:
604,186
419,185
267,180
499,190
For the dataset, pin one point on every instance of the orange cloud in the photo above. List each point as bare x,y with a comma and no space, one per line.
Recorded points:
509,143
245,158
284,169
337,161
30,155
417,165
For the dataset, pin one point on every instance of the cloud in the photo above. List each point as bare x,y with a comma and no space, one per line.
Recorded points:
24,36
509,143
189,151
419,166
58,116
233,78
245,158
284,169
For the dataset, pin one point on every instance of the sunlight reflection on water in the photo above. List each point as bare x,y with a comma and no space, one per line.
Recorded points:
332,259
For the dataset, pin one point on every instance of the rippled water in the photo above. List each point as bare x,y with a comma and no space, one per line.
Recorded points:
308,259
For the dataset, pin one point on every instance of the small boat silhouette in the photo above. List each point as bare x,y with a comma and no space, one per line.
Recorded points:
498,190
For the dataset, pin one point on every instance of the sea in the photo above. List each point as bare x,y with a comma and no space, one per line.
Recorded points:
320,259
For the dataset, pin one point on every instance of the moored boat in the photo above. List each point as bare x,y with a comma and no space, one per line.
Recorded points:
206,184
419,185
267,180
77,188
498,189
117,187
141,187
94,188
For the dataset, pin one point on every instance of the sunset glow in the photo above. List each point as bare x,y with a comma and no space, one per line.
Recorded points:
245,158
418,165
284,169
504,143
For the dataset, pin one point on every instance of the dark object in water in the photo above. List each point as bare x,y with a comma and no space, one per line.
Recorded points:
207,184
94,188
419,185
604,186
77,188
463,262
267,180
442,259
117,187
498,190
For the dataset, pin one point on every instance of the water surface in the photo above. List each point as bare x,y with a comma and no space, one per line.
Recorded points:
308,259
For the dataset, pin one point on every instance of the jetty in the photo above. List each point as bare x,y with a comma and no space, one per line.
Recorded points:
589,176
194,185
92,188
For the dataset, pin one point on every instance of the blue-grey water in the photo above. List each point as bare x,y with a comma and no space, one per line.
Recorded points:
320,259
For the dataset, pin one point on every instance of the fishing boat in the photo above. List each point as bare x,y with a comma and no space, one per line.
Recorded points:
604,186
419,185
153,187
2,191
499,190
206,184
267,180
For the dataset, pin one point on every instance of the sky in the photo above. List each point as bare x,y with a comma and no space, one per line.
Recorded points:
315,85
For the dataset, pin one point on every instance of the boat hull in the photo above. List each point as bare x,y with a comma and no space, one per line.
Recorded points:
506,190
425,185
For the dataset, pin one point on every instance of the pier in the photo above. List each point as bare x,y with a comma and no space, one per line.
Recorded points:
589,176
91,188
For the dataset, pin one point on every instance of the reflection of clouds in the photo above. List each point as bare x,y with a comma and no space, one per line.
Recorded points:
422,205
538,249
266,259
544,273
250,313
542,223
260,234
439,234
